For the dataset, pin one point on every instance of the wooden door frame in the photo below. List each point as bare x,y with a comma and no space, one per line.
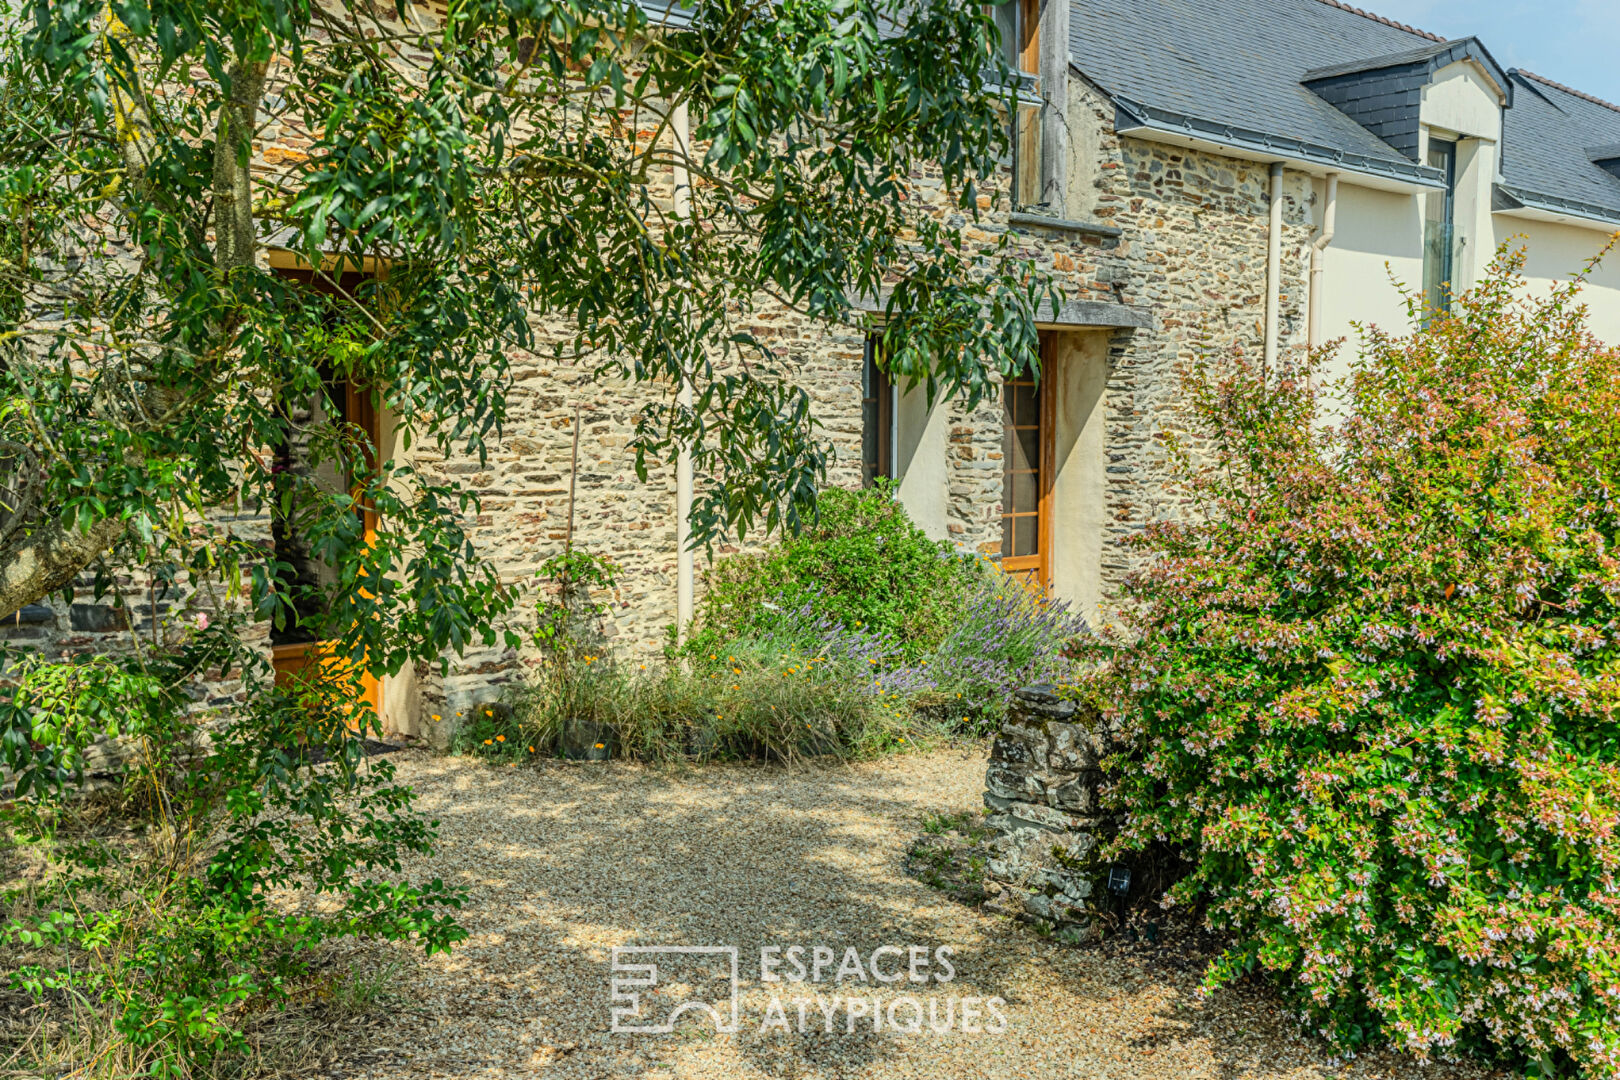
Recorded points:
288,660
1045,469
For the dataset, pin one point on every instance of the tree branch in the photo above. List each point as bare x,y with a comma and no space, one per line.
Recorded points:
51,556
235,242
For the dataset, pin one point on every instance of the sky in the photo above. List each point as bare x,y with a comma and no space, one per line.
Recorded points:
1575,42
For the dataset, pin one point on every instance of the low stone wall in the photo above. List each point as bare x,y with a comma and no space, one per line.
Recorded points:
1042,791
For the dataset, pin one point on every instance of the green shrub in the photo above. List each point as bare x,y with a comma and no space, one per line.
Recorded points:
1371,692
162,936
491,733
863,563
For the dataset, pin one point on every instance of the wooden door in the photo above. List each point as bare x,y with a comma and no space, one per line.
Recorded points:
299,661
293,661
1027,473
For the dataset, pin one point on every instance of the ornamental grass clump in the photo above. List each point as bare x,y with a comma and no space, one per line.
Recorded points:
757,701
1369,691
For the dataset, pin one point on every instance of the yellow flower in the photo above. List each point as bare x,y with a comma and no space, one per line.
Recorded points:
531,749
500,738
489,712
486,742
734,686
599,746
711,656
736,671
436,716
731,659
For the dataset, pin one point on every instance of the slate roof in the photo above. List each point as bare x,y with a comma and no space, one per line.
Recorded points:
1549,137
1234,71
1239,64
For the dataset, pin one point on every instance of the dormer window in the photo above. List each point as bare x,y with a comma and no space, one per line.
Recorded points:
1606,158
1439,228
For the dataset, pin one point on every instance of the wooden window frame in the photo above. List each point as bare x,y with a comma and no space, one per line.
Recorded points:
883,416
1024,121
1039,565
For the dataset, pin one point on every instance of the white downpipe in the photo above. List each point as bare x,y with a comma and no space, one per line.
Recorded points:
1273,267
1330,214
684,592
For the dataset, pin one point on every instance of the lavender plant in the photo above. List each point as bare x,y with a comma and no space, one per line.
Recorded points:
1007,636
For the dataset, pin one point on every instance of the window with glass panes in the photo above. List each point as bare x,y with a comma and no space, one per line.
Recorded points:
1020,24
877,418
1026,476
1438,228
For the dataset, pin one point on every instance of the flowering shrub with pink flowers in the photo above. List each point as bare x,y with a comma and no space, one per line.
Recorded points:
1370,690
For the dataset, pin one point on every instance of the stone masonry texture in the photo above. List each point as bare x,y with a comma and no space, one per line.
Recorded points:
1042,791
1191,254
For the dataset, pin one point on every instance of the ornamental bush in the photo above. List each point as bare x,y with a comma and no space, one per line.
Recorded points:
863,563
1370,689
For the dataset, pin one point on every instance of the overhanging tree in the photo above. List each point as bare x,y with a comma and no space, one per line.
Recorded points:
162,391
507,161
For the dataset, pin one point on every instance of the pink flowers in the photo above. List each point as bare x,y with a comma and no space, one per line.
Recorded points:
1369,691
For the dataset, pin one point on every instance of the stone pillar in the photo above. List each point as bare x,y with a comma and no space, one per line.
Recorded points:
1042,794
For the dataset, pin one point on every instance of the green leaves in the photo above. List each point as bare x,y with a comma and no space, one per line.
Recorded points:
170,928
1370,691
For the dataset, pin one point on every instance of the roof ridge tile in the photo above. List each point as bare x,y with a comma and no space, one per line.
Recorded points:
1380,19
1571,91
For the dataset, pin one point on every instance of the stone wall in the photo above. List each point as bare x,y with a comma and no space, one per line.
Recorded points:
1191,253
1042,796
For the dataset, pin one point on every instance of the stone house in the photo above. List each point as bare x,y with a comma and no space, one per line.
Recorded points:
1255,176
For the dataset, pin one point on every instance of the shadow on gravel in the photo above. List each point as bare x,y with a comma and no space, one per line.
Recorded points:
566,861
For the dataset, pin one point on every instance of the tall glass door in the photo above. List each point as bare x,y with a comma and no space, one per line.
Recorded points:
1438,229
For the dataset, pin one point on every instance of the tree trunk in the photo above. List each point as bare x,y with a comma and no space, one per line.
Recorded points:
235,243
50,557
51,554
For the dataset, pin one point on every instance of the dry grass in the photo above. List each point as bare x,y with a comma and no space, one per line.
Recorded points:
336,1009
343,996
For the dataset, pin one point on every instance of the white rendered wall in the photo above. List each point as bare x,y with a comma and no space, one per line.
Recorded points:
1556,252
1080,488
919,457
1378,234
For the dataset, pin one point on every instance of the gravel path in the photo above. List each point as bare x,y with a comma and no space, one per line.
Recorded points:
566,861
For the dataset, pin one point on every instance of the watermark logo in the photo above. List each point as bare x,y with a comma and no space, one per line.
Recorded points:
637,969
653,986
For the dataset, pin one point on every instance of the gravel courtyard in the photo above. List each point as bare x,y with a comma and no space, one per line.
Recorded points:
566,861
